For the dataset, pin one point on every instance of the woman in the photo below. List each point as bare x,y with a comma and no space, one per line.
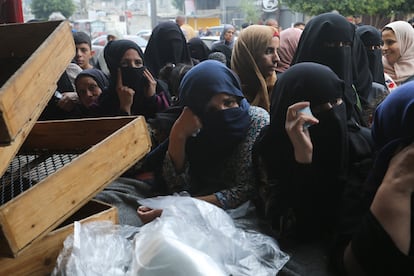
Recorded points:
227,36
330,39
133,90
384,244
167,44
254,60
90,84
398,51
371,38
305,156
198,49
209,150
289,39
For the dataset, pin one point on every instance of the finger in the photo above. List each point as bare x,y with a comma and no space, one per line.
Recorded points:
292,111
119,82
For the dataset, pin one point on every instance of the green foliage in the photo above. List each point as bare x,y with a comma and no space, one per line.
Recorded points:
250,10
43,8
345,7
178,4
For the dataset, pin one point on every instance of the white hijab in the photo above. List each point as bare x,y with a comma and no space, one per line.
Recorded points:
404,67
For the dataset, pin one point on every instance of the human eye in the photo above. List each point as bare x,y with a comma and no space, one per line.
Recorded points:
230,102
92,87
138,63
270,50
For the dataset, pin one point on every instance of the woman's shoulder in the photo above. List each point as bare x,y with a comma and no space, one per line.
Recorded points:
258,112
259,115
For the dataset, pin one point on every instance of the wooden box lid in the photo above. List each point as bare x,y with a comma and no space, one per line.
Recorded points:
33,57
107,146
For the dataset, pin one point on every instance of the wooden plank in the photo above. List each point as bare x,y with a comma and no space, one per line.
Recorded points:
71,135
26,93
40,257
39,210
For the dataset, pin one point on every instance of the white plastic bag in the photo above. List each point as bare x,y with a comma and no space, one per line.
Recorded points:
97,248
192,237
196,224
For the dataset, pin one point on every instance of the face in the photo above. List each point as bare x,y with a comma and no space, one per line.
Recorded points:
222,101
391,47
83,55
88,91
268,60
228,35
131,58
326,106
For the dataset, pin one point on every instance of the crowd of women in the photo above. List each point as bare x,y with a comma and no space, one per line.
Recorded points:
315,127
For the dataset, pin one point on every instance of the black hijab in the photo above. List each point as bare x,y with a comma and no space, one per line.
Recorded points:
114,52
371,38
313,191
198,49
103,82
167,44
330,39
131,77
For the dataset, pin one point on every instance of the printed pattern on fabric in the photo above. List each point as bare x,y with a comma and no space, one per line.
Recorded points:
237,175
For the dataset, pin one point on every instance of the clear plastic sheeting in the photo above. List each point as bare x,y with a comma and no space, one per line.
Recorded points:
192,237
97,248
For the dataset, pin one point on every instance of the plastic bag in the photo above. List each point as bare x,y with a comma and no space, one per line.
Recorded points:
192,237
97,248
192,223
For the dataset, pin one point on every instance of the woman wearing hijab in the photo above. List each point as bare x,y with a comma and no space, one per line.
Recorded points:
330,39
398,51
254,60
198,49
289,39
227,36
132,90
383,243
90,84
209,151
167,44
371,38
305,153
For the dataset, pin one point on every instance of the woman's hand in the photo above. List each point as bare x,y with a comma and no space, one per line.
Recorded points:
188,124
152,84
125,94
147,214
298,134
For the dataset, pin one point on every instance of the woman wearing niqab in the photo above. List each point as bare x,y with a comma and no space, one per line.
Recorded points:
330,39
167,44
371,38
305,205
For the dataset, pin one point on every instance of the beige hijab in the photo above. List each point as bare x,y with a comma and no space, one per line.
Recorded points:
249,47
404,67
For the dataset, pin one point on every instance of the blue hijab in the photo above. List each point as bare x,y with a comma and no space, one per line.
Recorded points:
222,130
392,128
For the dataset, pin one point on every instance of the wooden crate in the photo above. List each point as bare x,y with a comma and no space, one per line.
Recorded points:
33,57
40,258
41,208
